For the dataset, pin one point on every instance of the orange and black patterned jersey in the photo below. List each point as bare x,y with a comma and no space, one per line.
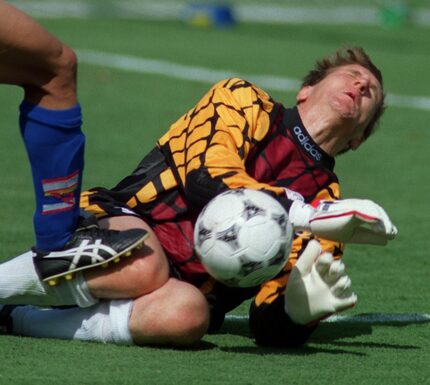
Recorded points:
236,136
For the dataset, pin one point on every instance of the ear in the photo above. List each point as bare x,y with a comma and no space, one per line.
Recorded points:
303,94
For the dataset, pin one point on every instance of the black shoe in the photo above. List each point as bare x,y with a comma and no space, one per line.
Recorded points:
5,319
89,247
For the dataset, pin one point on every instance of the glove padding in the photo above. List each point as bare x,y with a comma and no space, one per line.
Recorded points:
348,220
317,287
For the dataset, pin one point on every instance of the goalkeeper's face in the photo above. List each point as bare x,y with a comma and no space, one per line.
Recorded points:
347,98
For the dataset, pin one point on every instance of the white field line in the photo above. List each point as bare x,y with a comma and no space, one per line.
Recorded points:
372,318
211,76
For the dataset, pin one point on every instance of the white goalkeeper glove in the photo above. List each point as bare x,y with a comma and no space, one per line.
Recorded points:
317,287
347,220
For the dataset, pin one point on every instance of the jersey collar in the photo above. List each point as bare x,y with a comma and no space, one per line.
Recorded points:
294,124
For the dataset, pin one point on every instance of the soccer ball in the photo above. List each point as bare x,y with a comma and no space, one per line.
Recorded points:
243,237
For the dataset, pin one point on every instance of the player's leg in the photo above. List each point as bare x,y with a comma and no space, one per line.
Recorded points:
33,58
106,321
145,270
50,123
175,314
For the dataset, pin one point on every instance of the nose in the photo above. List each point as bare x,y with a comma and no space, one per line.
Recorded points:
362,83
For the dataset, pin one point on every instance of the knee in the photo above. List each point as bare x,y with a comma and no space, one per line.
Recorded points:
177,314
67,66
143,273
191,317
63,82
55,83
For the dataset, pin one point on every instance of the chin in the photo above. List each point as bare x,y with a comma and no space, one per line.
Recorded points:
345,112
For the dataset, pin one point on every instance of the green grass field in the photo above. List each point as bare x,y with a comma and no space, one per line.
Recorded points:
126,111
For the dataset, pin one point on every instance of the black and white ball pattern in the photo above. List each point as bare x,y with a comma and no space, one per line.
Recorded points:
243,237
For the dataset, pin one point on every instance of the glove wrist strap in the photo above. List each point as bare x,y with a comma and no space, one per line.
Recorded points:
300,214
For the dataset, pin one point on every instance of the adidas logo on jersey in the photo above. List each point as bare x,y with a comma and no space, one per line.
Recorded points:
305,140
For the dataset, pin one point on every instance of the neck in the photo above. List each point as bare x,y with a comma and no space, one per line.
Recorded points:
323,130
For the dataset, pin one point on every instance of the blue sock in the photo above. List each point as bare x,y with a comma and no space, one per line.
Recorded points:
55,146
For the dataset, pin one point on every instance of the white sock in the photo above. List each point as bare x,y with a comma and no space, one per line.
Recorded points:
20,284
106,321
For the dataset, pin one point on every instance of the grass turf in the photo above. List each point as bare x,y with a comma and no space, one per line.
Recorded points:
125,113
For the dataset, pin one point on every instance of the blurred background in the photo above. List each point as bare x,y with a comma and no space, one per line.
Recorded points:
367,12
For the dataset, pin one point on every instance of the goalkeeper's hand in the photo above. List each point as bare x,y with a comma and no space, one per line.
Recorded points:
348,220
317,287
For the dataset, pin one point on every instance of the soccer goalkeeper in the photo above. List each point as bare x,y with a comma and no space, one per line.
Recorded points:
236,136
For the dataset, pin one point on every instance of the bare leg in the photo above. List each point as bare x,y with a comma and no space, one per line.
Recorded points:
177,313
165,311
36,60
145,271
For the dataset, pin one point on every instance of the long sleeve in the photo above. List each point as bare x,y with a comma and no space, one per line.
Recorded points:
208,147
